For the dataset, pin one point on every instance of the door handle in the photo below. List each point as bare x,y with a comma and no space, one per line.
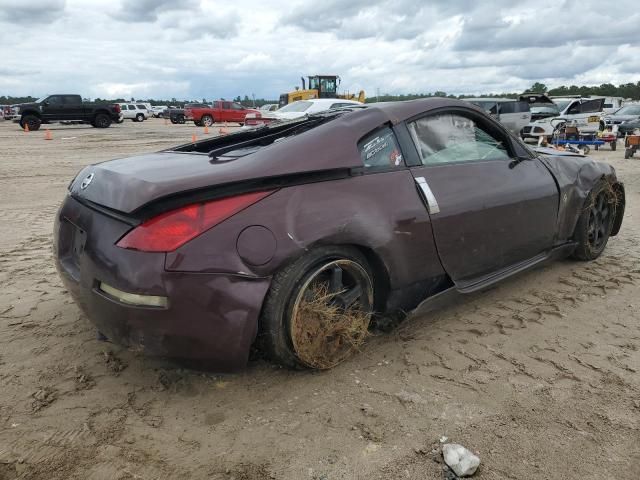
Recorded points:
432,203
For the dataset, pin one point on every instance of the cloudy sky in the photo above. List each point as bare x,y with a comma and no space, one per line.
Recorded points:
209,48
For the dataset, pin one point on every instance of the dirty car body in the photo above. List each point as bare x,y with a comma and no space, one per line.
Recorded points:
402,183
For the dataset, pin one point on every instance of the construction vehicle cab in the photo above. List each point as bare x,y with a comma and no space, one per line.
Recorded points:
320,86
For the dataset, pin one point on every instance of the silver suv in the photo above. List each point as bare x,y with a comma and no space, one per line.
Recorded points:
513,114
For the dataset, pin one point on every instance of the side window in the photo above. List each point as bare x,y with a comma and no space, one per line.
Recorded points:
72,100
592,106
131,107
508,107
237,106
380,150
574,108
450,138
55,100
226,105
141,107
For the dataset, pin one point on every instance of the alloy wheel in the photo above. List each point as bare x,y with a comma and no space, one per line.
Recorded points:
599,221
331,313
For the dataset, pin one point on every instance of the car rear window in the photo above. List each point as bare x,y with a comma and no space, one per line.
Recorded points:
380,150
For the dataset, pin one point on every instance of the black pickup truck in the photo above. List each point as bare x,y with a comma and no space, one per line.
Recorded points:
66,108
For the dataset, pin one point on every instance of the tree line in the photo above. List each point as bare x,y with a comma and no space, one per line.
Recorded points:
627,90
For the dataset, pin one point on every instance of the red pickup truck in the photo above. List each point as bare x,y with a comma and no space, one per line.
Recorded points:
220,111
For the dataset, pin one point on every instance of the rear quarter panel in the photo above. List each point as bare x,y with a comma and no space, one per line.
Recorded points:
381,212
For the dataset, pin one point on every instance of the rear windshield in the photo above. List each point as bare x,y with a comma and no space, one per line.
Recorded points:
299,106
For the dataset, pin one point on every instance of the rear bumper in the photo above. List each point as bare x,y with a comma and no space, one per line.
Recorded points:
212,317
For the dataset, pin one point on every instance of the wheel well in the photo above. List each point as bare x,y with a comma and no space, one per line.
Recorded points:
382,284
30,112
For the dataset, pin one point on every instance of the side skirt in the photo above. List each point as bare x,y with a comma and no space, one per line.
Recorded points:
486,281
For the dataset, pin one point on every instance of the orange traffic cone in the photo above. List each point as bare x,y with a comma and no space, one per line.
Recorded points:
206,130
47,135
223,130
193,137
26,128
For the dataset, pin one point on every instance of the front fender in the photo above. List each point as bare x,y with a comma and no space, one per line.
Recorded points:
575,178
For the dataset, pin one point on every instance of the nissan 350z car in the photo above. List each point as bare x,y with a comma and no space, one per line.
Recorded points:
293,236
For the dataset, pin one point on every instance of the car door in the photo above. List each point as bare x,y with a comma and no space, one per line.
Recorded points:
238,112
53,108
73,108
225,112
585,115
514,115
492,203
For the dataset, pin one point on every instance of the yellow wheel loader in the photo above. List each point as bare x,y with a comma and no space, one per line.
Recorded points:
320,86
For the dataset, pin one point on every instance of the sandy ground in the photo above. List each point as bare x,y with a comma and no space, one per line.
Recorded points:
539,376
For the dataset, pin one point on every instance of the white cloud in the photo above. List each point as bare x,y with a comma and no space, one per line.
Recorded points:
211,49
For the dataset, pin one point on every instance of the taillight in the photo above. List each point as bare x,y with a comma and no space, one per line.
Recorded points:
117,108
170,230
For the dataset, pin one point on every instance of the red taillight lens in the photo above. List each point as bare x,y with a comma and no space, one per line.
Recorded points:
117,108
170,230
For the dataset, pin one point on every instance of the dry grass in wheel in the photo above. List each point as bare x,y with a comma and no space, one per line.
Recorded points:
325,334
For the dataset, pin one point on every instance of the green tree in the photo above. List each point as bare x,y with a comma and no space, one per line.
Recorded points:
538,88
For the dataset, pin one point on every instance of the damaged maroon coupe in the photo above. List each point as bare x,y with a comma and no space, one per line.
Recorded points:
281,233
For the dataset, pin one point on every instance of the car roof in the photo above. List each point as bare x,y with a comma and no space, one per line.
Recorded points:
490,99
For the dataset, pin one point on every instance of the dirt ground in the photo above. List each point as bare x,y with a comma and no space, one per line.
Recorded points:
539,375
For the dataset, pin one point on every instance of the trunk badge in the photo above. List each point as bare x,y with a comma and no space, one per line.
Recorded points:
87,181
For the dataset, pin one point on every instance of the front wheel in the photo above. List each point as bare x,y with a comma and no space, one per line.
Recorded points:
595,222
180,119
32,121
318,309
139,117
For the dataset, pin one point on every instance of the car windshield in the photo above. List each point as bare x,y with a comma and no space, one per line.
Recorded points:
562,104
42,99
299,106
629,110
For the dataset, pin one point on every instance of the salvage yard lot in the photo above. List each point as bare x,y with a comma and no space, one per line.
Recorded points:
540,375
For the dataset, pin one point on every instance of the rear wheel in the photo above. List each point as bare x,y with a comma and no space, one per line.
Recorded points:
174,120
318,309
101,120
32,121
595,222
206,120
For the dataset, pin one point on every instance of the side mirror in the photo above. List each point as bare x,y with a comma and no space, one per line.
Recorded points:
45,103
